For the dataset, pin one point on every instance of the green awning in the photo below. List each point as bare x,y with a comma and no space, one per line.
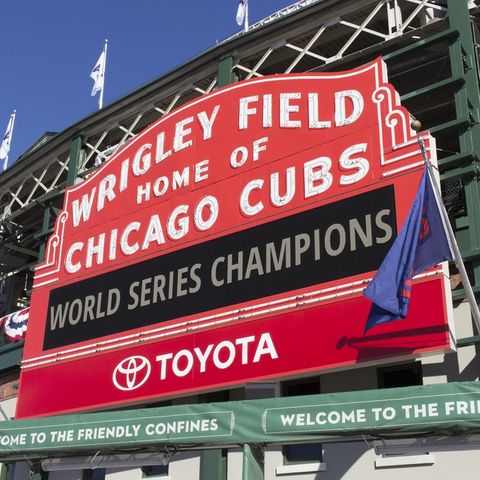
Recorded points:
449,409
11,355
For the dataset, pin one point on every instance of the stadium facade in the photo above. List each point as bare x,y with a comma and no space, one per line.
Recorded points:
406,402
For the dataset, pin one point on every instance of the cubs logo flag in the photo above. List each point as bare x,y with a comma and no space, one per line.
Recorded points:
7,138
98,74
241,11
421,244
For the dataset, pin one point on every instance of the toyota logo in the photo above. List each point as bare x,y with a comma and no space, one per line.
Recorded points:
131,373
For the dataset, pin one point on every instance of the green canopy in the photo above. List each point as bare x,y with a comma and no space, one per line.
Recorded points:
450,409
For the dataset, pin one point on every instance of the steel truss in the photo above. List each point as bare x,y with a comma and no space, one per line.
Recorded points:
311,35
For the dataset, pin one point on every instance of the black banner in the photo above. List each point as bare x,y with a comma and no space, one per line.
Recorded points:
326,243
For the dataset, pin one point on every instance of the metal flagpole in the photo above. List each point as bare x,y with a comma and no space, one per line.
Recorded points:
246,17
416,126
100,98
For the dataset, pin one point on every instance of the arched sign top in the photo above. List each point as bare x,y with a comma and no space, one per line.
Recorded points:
165,188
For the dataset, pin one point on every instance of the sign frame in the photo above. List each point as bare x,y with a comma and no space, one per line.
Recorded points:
217,188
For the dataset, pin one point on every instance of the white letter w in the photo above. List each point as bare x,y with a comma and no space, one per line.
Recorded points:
81,211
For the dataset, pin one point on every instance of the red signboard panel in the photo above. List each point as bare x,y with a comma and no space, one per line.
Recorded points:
235,230
304,341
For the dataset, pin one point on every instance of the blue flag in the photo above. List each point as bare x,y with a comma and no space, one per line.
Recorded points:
421,244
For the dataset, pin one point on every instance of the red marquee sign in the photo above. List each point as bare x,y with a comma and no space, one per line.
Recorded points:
237,231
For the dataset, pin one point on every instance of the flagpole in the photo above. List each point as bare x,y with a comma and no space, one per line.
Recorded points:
10,128
100,98
246,17
416,126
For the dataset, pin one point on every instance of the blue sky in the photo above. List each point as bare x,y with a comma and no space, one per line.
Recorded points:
49,48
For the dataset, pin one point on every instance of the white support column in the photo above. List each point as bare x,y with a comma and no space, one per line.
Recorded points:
394,15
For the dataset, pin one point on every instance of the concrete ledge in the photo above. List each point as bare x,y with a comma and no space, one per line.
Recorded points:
404,460
301,468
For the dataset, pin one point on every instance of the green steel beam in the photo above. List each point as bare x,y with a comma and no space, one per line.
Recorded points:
456,124
437,38
459,17
448,82
465,102
50,212
457,159
74,162
460,294
472,200
468,255
467,342
225,75
253,468
213,465
467,105
44,232
468,171
10,356
36,476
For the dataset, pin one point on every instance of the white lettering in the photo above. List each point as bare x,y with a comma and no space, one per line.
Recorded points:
221,355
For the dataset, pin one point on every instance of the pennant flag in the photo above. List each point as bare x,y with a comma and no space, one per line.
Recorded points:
421,244
98,75
242,12
15,324
7,138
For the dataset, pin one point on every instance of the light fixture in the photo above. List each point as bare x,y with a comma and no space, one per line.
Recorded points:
105,461
411,446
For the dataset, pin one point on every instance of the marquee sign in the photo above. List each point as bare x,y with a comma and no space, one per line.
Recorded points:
237,231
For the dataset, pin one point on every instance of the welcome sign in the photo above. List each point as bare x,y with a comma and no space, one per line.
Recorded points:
248,217
368,414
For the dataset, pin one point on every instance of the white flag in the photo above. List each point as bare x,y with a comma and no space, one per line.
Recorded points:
98,74
7,138
242,11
